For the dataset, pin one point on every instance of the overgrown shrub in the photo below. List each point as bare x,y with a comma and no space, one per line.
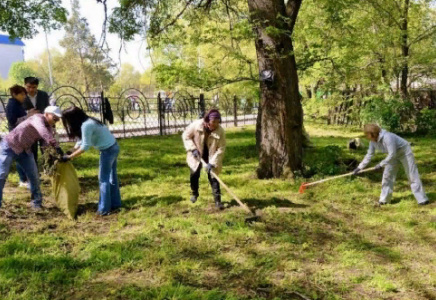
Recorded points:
392,114
324,161
426,121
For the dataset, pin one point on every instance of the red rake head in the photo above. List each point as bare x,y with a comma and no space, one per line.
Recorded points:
303,187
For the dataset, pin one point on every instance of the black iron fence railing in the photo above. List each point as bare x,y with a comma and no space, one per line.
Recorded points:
135,114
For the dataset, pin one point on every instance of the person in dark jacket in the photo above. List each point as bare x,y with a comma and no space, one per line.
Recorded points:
36,102
16,114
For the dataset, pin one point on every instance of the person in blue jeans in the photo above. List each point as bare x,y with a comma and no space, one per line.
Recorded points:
17,146
91,132
15,114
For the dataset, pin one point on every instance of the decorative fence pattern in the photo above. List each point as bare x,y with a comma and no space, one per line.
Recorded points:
138,115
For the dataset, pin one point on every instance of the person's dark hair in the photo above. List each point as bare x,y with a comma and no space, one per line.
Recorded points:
31,80
212,112
73,118
17,89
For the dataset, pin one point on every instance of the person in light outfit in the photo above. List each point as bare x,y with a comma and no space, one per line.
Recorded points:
92,133
399,152
206,139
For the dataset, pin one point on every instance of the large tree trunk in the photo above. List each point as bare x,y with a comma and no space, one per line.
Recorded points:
405,50
280,121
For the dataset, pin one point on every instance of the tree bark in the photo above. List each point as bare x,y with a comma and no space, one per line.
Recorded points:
405,50
280,120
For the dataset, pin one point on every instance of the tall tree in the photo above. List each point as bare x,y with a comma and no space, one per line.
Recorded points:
83,55
363,37
280,121
19,71
360,47
128,77
23,18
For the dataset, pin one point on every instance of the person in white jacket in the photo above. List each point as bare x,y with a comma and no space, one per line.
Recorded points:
399,152
205,139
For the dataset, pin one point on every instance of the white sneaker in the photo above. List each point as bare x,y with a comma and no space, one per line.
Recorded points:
25,185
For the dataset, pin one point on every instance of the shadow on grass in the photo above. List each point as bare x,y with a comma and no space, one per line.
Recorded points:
91,183
87,207
262,203
234,154
431,197
131,203
148,201
383,253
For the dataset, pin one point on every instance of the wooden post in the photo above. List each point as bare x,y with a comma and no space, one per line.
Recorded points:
235,111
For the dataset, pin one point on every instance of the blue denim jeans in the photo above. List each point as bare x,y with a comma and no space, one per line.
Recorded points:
110,198
21,173
27,162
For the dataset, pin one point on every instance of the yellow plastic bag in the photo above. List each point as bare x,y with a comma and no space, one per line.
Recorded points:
66,189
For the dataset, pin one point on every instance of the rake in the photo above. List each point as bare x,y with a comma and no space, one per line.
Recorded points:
305,185
253,217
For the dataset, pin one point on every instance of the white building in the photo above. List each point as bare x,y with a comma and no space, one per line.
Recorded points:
10,52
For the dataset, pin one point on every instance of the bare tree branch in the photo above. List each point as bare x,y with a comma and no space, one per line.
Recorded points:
104,26
413,79
380,8
308,64
423,36
224,81
292,9
175,18
397,5
206,4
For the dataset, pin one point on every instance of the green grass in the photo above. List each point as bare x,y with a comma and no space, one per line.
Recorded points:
330,243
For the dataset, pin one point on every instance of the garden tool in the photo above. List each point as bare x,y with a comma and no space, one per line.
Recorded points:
253,217
305,185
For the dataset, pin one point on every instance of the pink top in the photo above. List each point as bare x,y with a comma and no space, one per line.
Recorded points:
28,132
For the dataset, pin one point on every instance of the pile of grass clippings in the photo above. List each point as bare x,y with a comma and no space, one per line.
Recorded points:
49,159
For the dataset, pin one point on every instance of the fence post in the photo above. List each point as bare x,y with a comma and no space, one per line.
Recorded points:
123,118
235,111
202,107
161,114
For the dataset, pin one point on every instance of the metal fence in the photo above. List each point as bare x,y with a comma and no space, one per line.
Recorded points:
135,114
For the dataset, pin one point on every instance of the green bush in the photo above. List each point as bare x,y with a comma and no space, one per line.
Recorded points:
325,161
426,120
392,114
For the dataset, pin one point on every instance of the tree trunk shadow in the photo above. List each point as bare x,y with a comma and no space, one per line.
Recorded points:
262,203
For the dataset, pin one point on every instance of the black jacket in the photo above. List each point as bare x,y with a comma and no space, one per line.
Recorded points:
42,101
14,111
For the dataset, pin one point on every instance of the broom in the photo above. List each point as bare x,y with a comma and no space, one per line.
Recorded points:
305,185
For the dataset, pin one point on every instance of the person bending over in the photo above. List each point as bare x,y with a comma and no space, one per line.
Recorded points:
399,152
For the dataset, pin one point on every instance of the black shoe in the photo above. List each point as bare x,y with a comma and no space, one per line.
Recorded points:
217,199
194,197
219,205
36,207
382,203
424,203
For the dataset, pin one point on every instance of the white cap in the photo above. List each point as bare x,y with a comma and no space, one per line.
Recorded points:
53,110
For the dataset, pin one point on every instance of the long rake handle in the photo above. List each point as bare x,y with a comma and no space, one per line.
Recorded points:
337,177
228,190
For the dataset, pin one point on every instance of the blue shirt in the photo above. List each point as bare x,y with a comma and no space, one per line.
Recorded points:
15,113
95,135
